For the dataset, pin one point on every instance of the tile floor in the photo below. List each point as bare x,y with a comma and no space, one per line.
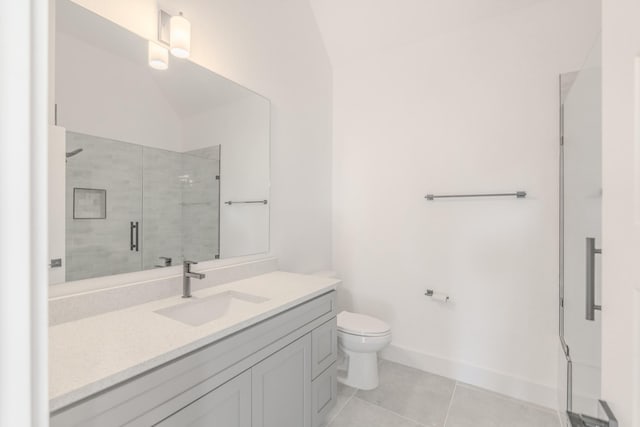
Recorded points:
407,397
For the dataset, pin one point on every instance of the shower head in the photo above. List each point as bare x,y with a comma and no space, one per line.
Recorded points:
74,152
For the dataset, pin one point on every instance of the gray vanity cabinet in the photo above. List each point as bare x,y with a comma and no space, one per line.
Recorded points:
227,406
277,373
274,393
282,387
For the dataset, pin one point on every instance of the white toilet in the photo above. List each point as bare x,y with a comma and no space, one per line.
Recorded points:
360,337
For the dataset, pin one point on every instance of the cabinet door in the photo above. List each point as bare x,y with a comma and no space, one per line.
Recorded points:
324,391
282,387
324,347
227,406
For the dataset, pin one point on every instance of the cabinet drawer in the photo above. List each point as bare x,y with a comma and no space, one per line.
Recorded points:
227,406
324,390
324,347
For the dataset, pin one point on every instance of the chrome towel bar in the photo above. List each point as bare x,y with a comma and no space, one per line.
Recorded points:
262,202
518,194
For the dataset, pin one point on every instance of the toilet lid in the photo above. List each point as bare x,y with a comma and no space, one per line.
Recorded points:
361,324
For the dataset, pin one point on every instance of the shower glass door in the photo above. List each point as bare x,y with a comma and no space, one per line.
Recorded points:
581,235
131,207
181,204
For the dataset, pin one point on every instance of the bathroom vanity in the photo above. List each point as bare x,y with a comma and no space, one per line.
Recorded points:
264,357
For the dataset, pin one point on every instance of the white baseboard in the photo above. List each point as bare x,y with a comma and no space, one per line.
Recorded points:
518,388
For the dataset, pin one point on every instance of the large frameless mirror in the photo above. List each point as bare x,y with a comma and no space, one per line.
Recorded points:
159,165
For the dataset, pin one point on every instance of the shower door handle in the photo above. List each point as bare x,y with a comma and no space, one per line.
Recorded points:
137,237
134,236
591,306
131,245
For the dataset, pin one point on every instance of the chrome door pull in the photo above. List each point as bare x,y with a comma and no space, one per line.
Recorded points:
591,278
137,237
134,236
132,245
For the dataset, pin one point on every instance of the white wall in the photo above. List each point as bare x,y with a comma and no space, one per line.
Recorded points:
274,48
473,108
23,207
621,209
91,84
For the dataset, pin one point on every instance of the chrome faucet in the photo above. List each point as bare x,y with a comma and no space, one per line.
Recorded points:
187,274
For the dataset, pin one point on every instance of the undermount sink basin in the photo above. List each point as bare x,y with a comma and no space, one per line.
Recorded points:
197,311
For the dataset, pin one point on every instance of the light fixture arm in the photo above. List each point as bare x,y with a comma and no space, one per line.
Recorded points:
164,27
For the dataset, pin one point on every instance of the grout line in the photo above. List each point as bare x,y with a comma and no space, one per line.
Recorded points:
343,406
390,411
448,413
560,423
446,418
508,398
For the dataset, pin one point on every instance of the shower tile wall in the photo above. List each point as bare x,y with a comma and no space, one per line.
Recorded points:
100,247
173,196
162,208
201,203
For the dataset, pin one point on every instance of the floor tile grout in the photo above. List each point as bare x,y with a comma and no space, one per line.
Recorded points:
389,411
455,391
560,423
506,397
446,418
355,390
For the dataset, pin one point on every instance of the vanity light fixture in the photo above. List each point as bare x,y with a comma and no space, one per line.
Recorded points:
174,34
158,56
180,36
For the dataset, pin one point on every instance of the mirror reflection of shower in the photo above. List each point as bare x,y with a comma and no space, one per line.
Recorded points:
174,197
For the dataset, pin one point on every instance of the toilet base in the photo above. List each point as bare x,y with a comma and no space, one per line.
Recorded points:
362,370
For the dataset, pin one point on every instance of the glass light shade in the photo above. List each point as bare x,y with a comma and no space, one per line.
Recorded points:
180,36
158,56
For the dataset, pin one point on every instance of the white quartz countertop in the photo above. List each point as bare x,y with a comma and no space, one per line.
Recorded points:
94,353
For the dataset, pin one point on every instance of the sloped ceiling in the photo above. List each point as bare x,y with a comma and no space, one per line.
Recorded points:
356,27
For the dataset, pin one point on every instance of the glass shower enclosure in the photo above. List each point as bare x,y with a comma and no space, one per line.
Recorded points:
580,240
131,207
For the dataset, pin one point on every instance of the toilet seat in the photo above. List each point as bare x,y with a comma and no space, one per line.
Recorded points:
362,325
